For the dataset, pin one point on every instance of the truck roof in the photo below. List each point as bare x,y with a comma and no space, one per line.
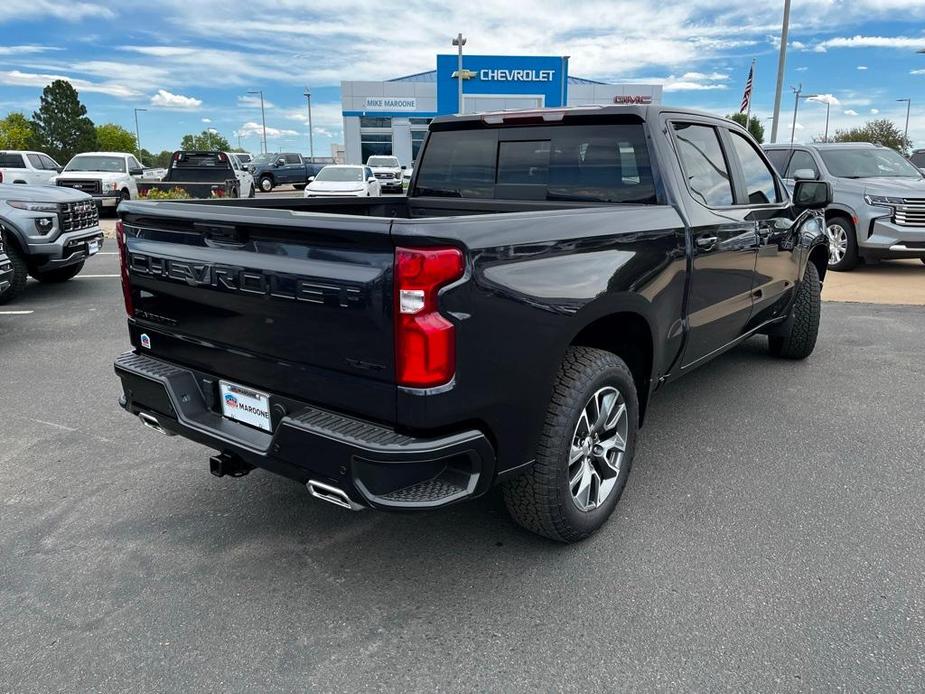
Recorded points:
552,115
827,145
105,154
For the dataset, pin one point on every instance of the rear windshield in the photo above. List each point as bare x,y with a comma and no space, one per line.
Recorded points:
340,175
581,163
92,162
201,160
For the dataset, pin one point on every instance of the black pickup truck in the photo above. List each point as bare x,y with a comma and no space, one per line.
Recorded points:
507,322
198,174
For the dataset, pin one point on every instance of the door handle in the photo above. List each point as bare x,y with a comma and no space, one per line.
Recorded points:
706,243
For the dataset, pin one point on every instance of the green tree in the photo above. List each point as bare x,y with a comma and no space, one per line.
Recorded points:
114,138
205,141
16,132
61,124
754,125
879,132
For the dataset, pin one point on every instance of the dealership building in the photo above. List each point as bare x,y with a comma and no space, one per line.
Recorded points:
391,117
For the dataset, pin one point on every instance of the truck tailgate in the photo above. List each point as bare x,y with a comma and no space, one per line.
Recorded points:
292,303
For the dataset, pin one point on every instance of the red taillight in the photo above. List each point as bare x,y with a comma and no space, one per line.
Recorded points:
425,341
123,261
1,177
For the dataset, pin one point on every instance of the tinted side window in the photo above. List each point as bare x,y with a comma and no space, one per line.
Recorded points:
703,164
368,173
778,157
459,164
291,158
802,160
918,158
35,160
760,186
48,162
11,161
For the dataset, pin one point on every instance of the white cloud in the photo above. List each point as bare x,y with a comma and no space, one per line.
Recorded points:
27,49
799,45
250,129
165,99
66,11
873,42
917,72
698,76
825,99
253,101
875,111
30,79
684,86
801,69
206,120
862,67
850,112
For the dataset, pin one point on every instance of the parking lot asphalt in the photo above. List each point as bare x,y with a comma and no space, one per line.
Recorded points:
771,537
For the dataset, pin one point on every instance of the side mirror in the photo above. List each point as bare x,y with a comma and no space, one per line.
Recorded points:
403,167
371,179
812,195
311,178
136,172
805,175
280,162
59,169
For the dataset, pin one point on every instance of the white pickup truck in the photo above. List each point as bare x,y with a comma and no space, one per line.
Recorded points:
110,177
30,168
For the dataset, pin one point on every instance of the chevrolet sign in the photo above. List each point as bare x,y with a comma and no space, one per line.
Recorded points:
636,100
489,75
464,74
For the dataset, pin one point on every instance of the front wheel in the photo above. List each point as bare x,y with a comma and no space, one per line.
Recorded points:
266,184
585,450
20,275
843,244
802,327
62,274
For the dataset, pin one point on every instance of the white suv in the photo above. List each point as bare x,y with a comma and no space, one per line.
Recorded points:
110,177
388,171
31,168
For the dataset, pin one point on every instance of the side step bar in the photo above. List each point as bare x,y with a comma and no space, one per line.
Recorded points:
332,495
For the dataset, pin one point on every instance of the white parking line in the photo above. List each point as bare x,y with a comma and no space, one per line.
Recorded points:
15,313
106,253
94,277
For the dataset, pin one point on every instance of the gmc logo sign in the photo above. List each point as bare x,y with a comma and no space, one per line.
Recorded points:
641,100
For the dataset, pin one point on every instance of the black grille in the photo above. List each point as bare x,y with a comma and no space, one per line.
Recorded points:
385,175
79,215
87,186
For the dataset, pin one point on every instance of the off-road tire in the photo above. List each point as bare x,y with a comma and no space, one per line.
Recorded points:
540,499
62,274
803,323
20,274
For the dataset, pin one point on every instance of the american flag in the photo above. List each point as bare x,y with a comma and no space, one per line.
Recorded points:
747,96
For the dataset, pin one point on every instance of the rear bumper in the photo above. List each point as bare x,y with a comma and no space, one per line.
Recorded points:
374,465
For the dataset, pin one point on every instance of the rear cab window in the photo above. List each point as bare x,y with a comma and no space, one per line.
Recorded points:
599,163
10,160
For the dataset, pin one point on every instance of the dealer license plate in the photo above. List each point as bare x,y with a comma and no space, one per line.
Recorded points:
93,247
245,405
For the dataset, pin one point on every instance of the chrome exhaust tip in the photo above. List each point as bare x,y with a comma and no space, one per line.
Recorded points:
332,495
151,422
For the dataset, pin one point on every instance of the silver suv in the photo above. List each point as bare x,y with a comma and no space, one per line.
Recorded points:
879,199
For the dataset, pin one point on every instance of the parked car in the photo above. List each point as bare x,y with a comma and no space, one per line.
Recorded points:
31,168
245,158
47,232
388,170
406,176
281,168
343,180
918,159
199,175
506,322
247,188
879,200
110,177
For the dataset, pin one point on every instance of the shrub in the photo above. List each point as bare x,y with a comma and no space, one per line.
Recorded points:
161,194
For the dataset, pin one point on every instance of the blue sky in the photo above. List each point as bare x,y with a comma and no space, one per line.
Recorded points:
191,63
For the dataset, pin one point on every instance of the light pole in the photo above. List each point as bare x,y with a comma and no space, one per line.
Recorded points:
908,109
828,108
311,131
137,132
263,117
797,94
781,65
459,42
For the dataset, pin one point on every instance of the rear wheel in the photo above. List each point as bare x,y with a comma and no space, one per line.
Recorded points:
20,275
585,451
803,324
62,274
843,244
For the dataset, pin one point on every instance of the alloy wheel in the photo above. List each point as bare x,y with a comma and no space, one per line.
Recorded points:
838,242
597,449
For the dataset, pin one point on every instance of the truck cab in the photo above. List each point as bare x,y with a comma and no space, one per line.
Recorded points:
109,177
26,167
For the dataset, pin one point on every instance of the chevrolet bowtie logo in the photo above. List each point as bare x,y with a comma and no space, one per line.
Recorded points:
463,74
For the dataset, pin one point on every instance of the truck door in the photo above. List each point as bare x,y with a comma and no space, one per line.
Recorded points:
293,171
725,244
761,199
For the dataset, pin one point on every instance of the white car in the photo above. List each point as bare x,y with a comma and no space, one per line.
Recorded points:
343,180
388,171
31,168
110,177
246,185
